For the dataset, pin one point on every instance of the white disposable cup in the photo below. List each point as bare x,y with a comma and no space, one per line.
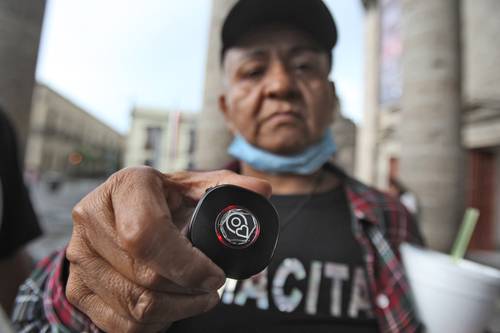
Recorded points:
450,297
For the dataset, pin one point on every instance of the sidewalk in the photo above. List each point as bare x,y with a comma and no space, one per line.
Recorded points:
54,213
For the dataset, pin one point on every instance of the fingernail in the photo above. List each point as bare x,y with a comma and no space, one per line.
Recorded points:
213,283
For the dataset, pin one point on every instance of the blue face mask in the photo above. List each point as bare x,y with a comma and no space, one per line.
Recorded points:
304,163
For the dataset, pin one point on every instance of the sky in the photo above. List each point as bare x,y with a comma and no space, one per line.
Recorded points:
109,56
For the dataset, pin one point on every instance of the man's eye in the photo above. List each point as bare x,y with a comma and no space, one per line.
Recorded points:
253,73
304,67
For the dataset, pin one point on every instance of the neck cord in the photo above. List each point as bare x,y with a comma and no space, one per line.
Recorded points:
300,206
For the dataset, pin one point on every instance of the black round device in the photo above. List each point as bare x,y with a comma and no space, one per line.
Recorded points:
236,228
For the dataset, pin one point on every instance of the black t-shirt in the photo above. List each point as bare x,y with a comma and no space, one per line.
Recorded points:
18,223
315,282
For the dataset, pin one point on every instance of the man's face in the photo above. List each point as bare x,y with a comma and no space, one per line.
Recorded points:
277,93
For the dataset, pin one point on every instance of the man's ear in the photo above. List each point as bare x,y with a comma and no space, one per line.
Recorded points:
335,101
223,107
334,89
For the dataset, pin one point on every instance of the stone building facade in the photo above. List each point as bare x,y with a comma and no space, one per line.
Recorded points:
432,113
213,136
345,134
20,29
163,139
67,140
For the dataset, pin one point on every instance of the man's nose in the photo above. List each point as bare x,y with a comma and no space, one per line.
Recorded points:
280,83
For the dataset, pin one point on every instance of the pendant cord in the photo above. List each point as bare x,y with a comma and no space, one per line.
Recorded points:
298,208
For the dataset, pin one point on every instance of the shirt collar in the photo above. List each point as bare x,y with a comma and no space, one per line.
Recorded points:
364,209
363,199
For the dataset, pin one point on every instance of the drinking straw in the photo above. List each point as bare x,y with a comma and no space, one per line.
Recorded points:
465,234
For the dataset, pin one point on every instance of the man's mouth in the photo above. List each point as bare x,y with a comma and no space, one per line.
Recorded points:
283,116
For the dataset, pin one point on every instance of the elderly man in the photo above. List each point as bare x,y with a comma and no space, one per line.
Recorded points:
130,268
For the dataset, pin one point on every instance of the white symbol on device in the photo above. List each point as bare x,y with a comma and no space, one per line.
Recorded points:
237,227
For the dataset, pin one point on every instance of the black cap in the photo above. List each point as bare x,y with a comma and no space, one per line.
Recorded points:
311,16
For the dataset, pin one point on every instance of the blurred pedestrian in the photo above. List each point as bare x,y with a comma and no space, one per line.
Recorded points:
18,223
407,197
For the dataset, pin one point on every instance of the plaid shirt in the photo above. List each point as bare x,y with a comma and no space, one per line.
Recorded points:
380,224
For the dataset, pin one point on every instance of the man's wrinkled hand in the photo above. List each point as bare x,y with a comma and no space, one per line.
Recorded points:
132,269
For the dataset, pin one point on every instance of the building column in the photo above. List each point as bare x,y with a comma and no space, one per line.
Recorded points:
432,159
366,149
20,28
212,137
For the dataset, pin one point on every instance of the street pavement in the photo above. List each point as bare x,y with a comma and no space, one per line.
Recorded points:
54,213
